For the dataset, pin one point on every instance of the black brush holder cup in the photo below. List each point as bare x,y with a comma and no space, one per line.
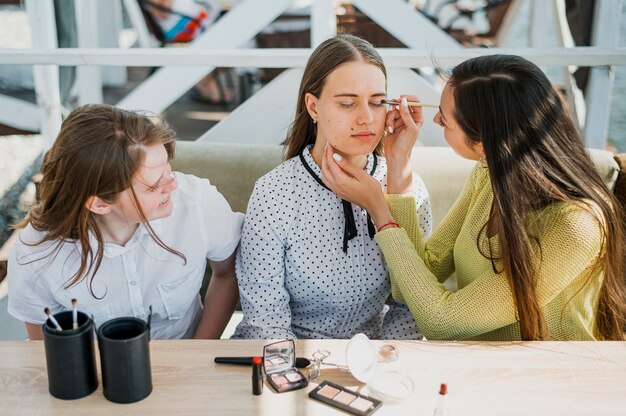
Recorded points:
70,357
125,358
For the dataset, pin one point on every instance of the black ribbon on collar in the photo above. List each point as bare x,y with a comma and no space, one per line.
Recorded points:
349,228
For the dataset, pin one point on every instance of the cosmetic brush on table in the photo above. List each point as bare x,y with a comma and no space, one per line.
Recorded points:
301,362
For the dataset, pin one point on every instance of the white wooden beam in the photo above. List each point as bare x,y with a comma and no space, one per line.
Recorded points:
109,35
406,24
563,32
539,21
584,56
270,111
507,22
323,21
19,114
289,58
606,29
44,36
88,77
573,94
238,26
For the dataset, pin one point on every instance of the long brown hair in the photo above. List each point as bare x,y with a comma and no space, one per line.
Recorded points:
532,148
98,151
329,55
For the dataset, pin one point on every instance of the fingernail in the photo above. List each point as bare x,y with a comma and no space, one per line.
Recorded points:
404,102
337,157
390,130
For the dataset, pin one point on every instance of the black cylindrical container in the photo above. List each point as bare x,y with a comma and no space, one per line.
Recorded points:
125,359
70,357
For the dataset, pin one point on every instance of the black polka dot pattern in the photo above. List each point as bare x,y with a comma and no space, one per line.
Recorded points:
294,279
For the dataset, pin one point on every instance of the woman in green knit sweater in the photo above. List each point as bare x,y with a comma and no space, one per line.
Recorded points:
535,238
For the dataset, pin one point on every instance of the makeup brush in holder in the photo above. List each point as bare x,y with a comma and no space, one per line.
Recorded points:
70,354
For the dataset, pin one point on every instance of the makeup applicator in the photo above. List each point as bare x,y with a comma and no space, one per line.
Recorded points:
410,103
301,362
53,319
74,315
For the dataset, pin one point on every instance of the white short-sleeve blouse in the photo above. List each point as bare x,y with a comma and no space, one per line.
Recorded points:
133,277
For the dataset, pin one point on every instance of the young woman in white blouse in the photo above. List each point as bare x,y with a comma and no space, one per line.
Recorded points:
120,232
308,265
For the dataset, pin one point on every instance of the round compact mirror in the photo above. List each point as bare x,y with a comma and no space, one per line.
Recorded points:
361,358
387,386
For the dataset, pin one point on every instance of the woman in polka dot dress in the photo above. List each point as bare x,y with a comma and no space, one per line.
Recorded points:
308,265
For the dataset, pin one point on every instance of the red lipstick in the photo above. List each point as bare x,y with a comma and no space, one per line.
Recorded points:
257,376
442,402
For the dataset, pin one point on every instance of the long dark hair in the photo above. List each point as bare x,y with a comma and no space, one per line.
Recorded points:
531,146
98,151
329,55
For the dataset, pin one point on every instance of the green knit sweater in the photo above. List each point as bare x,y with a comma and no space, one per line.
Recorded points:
482,308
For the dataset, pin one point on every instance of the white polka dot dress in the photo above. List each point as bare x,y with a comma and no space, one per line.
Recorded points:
294,279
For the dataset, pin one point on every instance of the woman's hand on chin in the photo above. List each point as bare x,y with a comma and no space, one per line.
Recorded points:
354,185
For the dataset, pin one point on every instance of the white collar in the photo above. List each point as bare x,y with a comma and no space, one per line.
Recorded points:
114,250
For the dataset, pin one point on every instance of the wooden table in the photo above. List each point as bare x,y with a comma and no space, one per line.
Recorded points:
483,378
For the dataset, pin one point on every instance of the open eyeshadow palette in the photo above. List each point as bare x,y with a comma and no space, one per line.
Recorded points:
279,362
347,400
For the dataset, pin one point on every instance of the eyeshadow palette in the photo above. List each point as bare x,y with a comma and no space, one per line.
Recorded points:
285,381
279,360
347,400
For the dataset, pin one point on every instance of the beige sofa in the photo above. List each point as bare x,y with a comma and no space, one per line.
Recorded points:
234,168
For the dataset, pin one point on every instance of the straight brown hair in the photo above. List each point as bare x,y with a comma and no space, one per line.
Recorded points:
535,158
329,55
98,151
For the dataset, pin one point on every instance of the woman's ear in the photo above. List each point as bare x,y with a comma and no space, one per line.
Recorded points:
310,101
479,149
97,205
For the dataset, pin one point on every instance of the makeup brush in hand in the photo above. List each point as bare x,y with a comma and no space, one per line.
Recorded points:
411,103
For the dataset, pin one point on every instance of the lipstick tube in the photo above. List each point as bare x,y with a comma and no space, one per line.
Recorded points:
257,376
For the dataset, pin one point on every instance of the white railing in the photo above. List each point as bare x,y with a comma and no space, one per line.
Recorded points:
290,58
428,46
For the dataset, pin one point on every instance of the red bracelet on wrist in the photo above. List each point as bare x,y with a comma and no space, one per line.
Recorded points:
382,227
